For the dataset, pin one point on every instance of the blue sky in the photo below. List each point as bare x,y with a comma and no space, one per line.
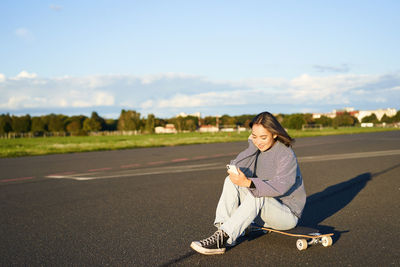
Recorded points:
216,57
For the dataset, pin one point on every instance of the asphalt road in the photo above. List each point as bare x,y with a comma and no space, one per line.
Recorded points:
143,207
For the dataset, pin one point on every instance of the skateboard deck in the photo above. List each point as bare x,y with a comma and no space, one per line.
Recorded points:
307,236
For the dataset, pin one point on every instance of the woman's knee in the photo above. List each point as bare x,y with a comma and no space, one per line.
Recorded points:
278,216
289,223
228,185
283,223
228,181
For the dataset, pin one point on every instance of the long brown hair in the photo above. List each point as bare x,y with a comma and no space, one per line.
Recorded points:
269,122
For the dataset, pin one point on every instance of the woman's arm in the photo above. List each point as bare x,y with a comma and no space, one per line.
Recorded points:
279,185
249,151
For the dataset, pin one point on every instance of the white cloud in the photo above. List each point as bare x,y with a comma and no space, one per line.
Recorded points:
334,89
103,99
24,34
24,75
359,92
146,104
28,91
14,102
380,100
89,98
392,89
19,101
81,104
222,98
148,79
55,7
165,94
338,69
62,103
217,99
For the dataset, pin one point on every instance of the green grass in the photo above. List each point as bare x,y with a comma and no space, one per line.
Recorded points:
339,131
57,145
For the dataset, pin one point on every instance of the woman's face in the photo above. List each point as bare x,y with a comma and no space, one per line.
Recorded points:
261,137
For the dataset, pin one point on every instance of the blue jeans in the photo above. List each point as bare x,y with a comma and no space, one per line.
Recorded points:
238,208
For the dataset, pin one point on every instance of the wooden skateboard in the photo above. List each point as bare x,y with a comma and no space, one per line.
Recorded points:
307,236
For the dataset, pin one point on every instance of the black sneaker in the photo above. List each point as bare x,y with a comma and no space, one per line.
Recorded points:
215,244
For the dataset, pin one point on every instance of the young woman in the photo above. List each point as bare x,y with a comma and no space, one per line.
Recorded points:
268,189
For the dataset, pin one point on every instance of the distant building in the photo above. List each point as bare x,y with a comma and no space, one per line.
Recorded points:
319,115
390,112
359,114
228,129
214,129
169,128
208,129
367,124
350,111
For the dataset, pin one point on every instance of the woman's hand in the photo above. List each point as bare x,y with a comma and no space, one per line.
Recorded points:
239,179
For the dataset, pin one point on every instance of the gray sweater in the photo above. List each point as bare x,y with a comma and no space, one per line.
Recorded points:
275,173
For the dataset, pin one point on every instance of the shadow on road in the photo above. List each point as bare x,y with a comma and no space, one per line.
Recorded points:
324,204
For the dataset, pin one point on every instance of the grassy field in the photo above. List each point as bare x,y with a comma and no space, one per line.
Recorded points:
56,145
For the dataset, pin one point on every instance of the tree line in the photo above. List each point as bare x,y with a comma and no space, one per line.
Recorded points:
345,119
130,120
74,125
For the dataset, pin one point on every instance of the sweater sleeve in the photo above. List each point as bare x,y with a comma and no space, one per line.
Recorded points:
283,181
250,150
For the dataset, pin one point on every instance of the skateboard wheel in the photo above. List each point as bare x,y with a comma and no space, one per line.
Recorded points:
326,241
301,244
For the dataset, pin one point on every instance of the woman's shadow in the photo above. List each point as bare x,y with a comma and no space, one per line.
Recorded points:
324,204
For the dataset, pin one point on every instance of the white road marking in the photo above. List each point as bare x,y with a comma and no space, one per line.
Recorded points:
349,156
209,166
141,172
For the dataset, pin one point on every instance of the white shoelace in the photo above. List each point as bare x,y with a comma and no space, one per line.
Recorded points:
218,236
